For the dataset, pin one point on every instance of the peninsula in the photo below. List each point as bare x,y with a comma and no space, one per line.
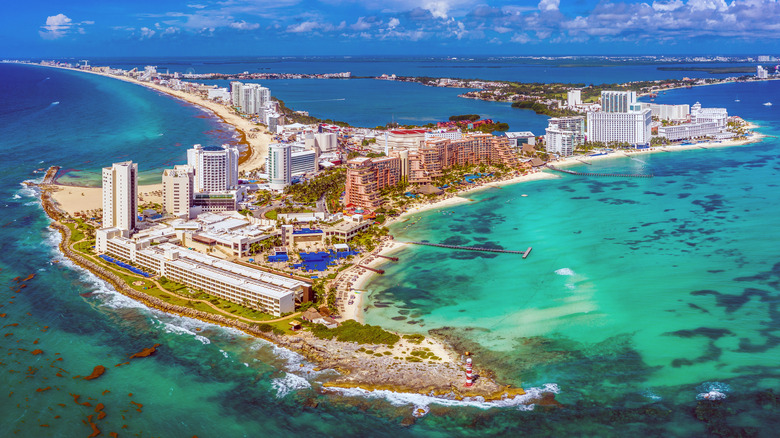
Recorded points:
246,235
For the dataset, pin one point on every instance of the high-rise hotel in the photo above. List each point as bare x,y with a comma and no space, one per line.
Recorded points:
621,120
208,183
120,196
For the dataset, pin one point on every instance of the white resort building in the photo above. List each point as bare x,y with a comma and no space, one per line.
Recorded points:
279,166
622,120
267,292
120,196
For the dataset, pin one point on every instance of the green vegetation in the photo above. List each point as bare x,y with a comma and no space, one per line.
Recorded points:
414,338
540,108
353,331
470,117
329,184
291,115
487,128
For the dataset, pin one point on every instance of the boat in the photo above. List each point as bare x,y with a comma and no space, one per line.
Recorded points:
768,104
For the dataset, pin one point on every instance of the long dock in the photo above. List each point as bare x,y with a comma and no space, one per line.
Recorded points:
615,175
378,271
395,259
475,248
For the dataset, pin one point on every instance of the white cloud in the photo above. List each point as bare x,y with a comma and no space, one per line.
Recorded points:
56,26
243,25
306,26
361,24
147,33
549,5
668,6
394,22
520,38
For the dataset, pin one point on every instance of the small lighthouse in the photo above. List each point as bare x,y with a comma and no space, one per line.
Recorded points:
469,371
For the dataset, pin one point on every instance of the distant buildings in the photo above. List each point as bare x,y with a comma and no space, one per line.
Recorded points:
405,139
250,98
688,131
324,141
621,120
672,113
120,197
617,101
761,72
703,115
574,98
520,138
279,166
564,134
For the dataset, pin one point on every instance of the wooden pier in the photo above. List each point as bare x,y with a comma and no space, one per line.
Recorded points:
614,175
378,271
395,259
474,248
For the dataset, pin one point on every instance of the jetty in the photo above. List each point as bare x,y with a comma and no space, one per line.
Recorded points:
378,271
474,248
395,259
51,175
614,175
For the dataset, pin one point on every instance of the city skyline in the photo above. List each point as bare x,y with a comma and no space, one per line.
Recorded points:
349,27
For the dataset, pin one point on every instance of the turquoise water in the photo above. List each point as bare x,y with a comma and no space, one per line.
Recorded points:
637,291
608,335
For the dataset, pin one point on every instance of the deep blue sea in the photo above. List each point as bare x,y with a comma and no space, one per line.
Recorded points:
369,103
638,296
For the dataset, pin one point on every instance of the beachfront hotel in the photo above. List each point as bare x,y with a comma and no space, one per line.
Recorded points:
564,134
120,196
279,166
216,167
270,293
366,177
621,120
208,183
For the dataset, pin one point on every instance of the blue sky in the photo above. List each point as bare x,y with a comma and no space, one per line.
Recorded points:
57,28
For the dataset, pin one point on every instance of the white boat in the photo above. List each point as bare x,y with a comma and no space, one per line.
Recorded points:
768,104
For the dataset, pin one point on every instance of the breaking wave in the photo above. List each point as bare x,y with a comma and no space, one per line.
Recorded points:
422,402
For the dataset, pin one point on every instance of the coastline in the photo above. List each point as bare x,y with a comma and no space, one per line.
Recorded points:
754,137
458,199
390,368
256,141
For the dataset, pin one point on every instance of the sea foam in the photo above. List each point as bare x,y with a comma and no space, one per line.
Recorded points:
289,383
419,401
564,271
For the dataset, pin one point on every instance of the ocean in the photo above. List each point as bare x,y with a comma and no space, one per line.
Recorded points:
639,295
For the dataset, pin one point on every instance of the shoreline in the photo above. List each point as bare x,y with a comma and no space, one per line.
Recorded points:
256,142
381,368
458,199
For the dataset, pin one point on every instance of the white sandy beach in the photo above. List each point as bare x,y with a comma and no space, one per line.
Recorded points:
73,199
255,136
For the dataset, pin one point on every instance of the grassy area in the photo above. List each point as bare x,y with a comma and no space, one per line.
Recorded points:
353,331
414,338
